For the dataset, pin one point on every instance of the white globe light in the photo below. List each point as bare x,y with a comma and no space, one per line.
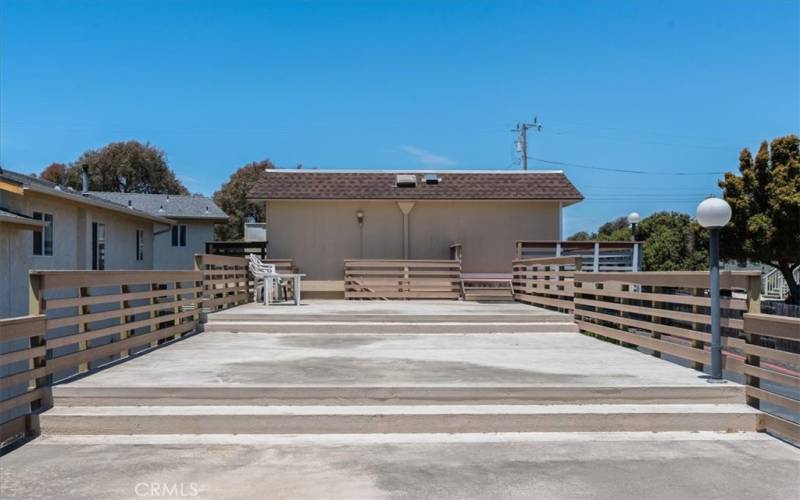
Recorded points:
713,212
634,218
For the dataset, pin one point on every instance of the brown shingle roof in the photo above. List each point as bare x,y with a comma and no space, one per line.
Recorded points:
487,185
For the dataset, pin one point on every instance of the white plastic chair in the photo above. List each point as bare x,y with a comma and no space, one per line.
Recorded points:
264,272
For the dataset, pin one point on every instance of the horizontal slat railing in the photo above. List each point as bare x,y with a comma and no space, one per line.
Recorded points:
226,281
402,279
665,312
545,282
24,385
97,317
669,313
772,356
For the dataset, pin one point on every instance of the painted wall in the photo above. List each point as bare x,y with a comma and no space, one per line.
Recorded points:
72,236
169,257
320,235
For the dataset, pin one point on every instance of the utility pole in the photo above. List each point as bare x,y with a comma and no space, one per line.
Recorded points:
522,141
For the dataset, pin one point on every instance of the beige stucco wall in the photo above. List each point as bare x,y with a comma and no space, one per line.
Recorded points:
72,236
320,235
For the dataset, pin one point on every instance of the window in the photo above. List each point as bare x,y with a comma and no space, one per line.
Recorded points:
139,244
179,235
98,246
43,240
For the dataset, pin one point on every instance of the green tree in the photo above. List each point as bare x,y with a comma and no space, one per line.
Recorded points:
582,236
129,167
55,172
615,230
232,199
765,199
672,242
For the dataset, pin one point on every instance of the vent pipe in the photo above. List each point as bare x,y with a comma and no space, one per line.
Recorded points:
84,179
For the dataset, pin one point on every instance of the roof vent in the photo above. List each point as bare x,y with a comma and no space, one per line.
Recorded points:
406,180
432,179
161,209
130,204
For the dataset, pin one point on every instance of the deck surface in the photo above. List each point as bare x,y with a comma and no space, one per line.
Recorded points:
220,359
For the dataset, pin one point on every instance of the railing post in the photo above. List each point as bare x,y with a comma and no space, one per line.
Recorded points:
596,256
753,306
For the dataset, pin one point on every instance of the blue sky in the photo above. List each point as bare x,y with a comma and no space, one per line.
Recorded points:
660,87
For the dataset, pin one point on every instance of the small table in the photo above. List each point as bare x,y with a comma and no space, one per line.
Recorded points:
269,282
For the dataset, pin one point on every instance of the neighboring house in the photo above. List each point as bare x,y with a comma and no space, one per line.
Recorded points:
194,217
46,226
320,218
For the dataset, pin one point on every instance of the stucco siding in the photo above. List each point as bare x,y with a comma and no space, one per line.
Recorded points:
170,257
71,244
320,235
487,230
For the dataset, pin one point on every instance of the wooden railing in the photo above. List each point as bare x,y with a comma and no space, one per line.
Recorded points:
772,356
226,281
402,279
664,312
82,320
546,282
668,313
95,317
24,381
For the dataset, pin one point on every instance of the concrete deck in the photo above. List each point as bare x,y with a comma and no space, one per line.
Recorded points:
221,359
380,414
549,466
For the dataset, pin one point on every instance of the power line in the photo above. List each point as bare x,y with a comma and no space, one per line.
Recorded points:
621,170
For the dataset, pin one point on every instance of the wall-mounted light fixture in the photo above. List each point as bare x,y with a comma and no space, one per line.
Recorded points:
360,216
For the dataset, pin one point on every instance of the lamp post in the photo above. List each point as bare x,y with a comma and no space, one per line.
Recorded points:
633,219
714,213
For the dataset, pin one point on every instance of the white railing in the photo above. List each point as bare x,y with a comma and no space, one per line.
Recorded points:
773,284
596,256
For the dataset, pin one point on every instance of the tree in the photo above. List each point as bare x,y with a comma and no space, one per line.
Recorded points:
672,242
616,230
232,199
55,172
128,167
765,200
582,236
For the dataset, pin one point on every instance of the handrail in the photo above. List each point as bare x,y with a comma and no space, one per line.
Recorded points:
668,313
402,279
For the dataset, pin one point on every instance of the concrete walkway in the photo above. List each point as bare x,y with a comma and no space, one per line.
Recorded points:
611,466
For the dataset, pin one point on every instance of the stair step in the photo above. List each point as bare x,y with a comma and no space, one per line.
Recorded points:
548,324
397,419
67,395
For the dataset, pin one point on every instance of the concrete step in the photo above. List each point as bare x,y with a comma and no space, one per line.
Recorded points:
274,314
555,324
67,395
369,419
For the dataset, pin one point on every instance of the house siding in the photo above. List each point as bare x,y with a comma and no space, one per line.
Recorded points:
320,235
72,226
169,257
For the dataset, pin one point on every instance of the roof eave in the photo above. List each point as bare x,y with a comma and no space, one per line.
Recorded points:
565,201
24,223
